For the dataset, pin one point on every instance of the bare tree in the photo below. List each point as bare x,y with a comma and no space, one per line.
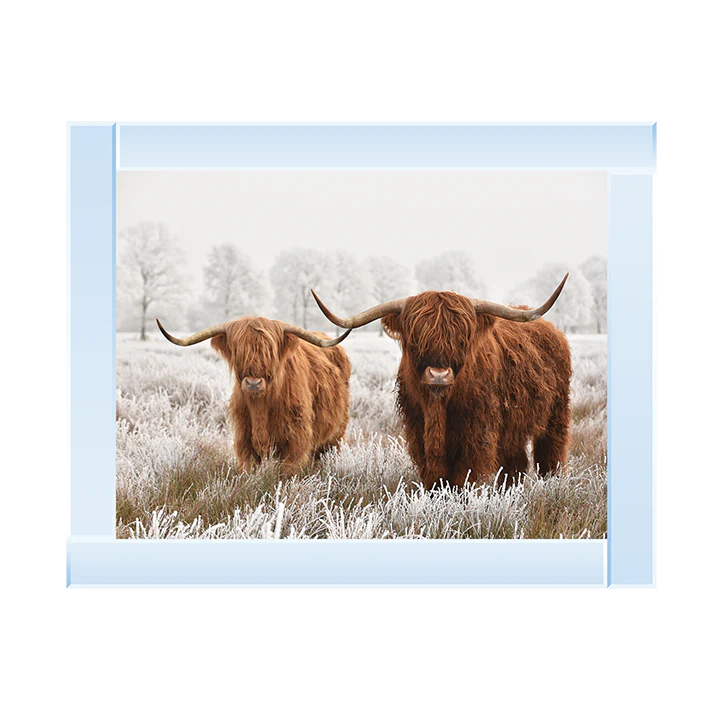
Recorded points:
149,274
574,307
346,283
595,270
451,271
234,287
294,273
389,280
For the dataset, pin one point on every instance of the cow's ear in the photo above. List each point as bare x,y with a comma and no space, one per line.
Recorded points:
485,322
392,325
220,344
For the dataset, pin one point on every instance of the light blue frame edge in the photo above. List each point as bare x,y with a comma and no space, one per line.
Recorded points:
98,150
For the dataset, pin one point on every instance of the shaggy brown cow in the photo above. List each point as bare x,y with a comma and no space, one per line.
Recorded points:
291,390
475,385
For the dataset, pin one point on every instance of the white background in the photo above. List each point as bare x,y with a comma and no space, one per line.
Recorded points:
511,223
368,654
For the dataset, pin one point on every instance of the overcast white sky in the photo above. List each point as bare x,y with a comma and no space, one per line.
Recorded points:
512,222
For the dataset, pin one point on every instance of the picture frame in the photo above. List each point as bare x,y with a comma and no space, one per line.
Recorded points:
97,151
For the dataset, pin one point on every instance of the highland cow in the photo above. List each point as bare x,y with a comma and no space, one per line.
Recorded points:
475,385
291,388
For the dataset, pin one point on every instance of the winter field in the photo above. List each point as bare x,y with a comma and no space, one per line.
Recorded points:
176,473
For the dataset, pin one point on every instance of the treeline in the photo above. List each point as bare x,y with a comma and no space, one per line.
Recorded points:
151,281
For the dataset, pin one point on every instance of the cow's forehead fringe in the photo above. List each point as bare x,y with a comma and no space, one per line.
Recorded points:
255,339
437,304
437,322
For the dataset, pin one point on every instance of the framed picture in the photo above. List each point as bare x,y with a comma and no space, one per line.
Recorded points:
361,354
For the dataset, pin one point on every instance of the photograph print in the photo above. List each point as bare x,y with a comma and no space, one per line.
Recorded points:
361,354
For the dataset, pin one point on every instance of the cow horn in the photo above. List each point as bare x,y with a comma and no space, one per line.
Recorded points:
365,317
221,328
313,338
508,312
194,338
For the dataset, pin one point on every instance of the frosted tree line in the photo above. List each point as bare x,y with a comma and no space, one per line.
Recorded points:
152,282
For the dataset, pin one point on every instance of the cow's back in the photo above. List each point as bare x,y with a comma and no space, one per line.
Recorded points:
534,376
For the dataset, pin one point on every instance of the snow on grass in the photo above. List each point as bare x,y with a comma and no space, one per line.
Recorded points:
176,474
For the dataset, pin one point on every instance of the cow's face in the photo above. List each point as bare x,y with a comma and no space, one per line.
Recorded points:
436,330
254,348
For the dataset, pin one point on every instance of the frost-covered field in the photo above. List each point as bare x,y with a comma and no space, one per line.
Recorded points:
176,475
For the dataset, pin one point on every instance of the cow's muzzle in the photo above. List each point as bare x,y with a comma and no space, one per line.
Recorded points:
253,384
438,376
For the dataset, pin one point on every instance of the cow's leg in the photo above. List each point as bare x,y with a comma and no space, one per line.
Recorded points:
514,464
296,457
298,443
331,422
327,446
338,435
245,455
242,442
412,417
414,437
550,448
478,460
435,473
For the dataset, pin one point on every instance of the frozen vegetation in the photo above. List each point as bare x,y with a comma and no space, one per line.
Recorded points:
177,478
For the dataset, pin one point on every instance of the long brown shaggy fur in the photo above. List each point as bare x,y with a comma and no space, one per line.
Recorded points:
305,406
512,385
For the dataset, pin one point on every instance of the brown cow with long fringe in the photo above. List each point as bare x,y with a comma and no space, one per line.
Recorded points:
475,385
291,388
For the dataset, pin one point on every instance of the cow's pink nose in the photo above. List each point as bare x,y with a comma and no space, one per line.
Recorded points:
253,384
438,376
